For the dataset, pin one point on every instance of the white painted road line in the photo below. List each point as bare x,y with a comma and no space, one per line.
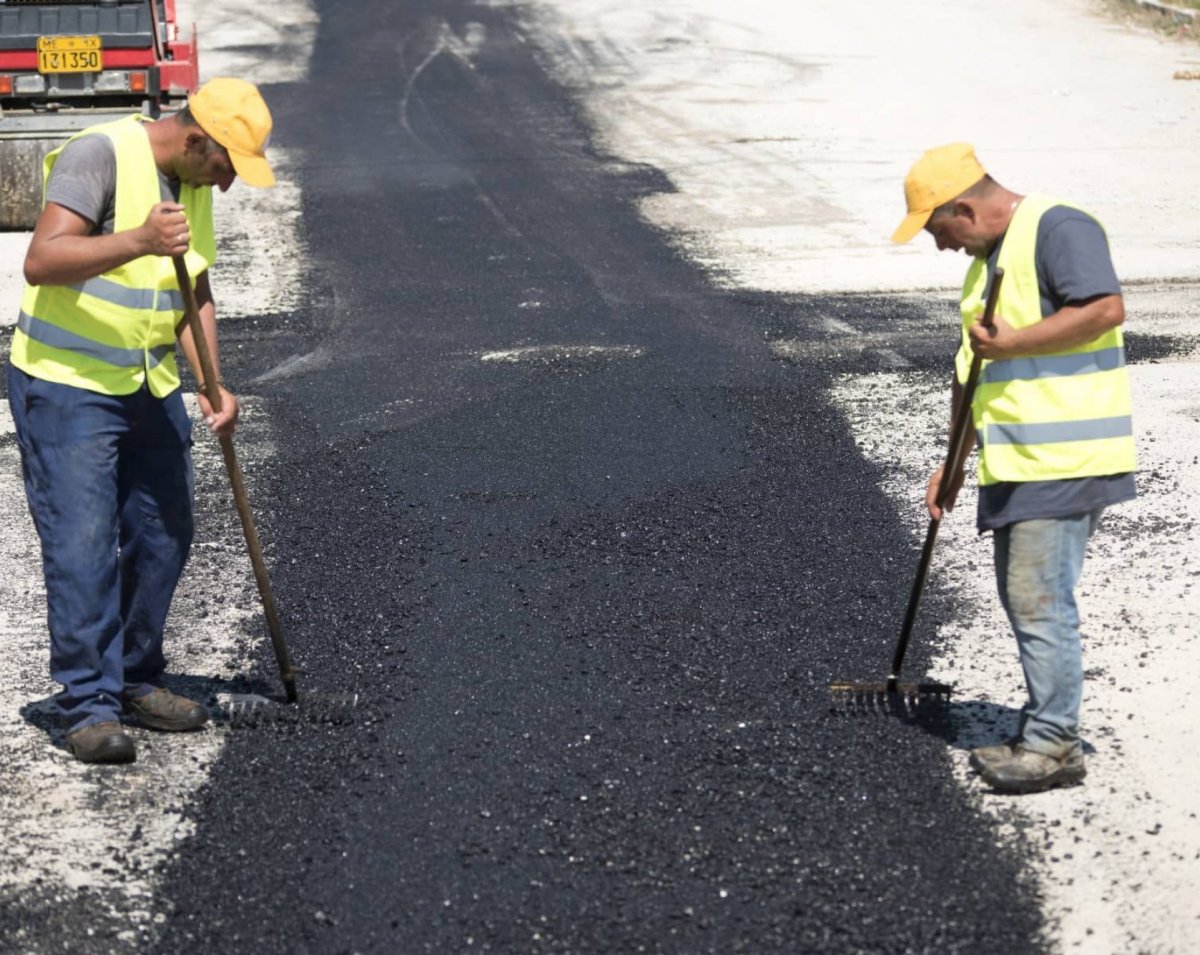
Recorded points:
551,354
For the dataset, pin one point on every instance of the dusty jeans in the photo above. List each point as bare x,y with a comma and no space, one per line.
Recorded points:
1037,566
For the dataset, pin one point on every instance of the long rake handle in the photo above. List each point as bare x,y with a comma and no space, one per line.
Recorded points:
287,668
956,458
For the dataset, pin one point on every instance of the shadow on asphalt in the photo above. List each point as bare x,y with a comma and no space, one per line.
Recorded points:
42,714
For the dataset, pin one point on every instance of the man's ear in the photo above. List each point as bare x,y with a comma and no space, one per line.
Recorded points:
966,209
196,142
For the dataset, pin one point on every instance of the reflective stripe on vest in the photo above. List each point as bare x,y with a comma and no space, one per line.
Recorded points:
1052,366
64,340
159,300
1093,429
115,332
1045,417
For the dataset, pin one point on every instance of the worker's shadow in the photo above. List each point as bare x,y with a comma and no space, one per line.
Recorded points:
961,724
980,723
966,724
43,714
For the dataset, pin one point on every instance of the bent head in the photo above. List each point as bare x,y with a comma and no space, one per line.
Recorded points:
206,162
959,225
947,192
234,129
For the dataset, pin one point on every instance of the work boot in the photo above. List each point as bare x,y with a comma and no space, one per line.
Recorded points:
984,756
101,743
160,709
1029,772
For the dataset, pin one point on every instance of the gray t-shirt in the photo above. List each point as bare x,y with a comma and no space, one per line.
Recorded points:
1073,265
84,180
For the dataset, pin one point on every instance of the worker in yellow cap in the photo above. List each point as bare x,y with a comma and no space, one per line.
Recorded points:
1052,422
104,436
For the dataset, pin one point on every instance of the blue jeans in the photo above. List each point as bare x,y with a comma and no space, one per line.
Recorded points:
109,482
1038,564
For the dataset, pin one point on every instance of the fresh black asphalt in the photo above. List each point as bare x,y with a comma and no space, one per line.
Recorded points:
592,602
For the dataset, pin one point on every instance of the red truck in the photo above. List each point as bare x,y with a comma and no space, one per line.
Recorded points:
65,65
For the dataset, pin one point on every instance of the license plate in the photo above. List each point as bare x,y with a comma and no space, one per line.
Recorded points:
68,54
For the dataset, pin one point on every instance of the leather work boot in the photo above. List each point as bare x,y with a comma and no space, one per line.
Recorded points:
984,756
160,709
1029,772
101,743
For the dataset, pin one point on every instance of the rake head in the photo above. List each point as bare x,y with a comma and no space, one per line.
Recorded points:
252,711
890,698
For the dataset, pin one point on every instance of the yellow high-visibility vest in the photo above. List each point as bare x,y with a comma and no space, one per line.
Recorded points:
114,332
1047,417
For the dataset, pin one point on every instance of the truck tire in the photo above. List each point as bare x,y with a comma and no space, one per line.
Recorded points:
21,181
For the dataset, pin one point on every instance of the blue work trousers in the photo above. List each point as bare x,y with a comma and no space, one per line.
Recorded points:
1038,564
109,482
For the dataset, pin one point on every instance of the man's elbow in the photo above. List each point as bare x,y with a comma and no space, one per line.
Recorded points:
36,272
33,273
1112,313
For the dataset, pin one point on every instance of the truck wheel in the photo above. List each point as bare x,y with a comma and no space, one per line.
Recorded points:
21,181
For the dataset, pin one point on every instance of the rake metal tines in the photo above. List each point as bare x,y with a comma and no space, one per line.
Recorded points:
890,698
252,710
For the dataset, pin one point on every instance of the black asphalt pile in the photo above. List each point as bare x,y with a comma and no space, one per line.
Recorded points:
594,603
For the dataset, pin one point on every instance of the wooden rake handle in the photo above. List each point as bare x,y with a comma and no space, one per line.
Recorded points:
956,458
287,669
960,429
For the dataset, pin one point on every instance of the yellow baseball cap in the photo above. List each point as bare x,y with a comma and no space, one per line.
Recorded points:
938,176
233,113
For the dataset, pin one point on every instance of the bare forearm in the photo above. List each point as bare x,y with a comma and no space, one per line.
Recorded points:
956,400
218,405
961,428
1067,328
64,251
942,489
67,259
208,319
1072,326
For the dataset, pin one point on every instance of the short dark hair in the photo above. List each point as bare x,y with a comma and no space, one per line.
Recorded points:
185,116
